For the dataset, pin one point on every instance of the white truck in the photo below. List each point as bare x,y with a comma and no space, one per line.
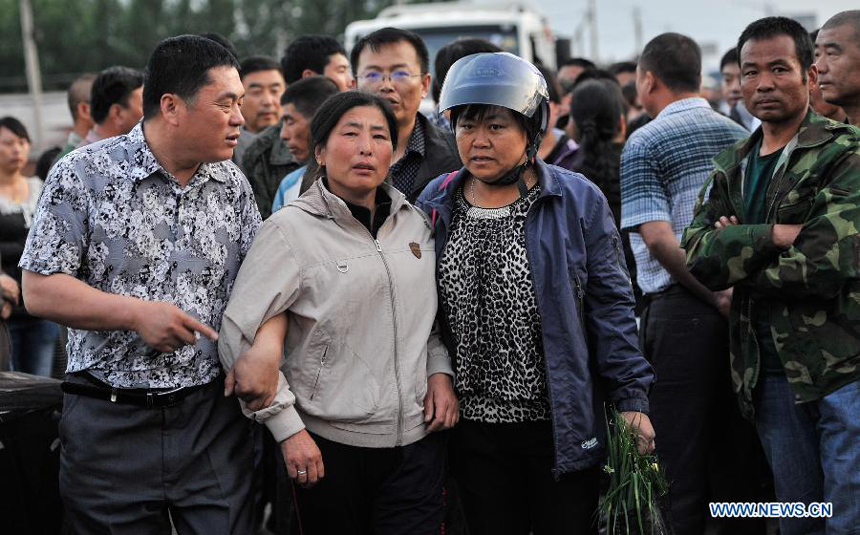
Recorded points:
516,27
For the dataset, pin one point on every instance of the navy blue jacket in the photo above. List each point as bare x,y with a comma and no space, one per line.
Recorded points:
586,306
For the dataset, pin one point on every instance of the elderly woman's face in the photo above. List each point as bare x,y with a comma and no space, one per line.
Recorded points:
358,152
13,151
491,145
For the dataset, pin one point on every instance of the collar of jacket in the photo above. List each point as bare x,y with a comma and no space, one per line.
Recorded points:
568,154
269,152
321,202
441,201
269,145
814,130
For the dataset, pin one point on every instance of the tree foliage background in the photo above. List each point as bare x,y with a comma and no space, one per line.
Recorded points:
76,36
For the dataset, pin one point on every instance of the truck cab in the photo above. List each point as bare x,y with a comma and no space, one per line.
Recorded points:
515,27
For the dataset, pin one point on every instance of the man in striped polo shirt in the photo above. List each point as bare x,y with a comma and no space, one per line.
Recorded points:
683,332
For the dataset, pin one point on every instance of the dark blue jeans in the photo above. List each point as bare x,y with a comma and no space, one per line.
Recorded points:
814,452
33,344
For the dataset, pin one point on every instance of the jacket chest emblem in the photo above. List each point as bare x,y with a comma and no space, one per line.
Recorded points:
416,249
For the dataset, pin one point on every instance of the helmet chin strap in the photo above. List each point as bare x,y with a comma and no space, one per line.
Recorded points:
517,174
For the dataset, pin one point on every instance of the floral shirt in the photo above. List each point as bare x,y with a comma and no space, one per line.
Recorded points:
113,217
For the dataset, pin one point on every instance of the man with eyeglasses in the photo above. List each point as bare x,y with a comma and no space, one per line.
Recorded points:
394,64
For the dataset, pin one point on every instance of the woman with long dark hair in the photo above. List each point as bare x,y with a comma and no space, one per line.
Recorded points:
349,268
597,122
597,116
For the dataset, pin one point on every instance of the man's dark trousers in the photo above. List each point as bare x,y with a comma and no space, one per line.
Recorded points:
709,451
123,467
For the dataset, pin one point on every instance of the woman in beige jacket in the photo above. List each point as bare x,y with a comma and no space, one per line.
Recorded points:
364,381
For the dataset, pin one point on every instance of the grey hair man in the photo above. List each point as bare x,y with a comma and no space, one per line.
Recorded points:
837,51
78,96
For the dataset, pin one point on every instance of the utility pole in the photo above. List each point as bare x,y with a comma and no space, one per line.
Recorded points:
592,18
577,41
34,74
637,31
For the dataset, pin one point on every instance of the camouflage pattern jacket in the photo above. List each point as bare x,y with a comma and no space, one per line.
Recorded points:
812,288
266,162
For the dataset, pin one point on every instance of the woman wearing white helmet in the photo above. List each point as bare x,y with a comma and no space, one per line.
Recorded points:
537,310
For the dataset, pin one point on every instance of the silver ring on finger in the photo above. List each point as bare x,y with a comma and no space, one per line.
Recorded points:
302,472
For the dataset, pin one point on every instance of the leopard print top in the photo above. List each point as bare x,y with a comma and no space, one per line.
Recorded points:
489,300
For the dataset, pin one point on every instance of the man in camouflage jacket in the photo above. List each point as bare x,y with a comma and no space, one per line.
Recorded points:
266,162
783,233
817,326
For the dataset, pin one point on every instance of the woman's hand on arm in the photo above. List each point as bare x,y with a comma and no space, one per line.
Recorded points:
441,408
254,375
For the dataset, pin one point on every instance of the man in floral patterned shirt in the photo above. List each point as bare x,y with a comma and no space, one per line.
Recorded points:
135,246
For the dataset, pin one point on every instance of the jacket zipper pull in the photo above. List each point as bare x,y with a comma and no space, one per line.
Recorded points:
378,247
319,372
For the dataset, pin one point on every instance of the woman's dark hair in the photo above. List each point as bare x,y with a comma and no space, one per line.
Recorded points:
15,126
596,109
477,112
181,65
330,113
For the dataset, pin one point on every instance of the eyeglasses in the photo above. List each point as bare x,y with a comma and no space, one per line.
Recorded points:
396,77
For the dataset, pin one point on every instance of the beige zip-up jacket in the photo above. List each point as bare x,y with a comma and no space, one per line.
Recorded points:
360,343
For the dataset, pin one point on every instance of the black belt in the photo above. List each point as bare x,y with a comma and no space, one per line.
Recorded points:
142,397
671,290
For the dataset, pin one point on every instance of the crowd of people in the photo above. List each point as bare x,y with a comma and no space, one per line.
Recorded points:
279,283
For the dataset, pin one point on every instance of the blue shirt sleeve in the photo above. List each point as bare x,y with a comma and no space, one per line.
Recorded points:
288,190
643,194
